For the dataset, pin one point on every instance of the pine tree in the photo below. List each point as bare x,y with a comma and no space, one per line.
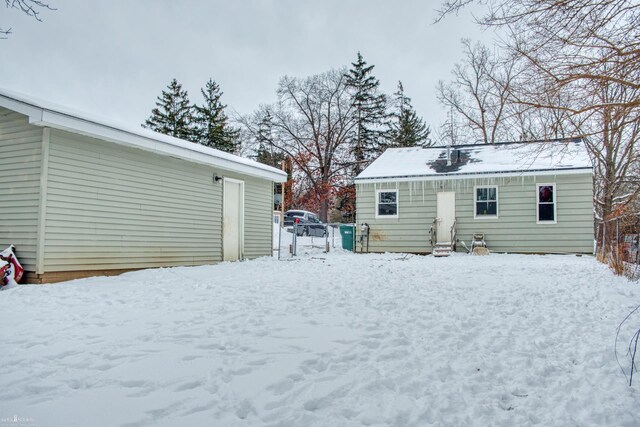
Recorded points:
212,127
268,154
407,129
172,115
265,152
371,116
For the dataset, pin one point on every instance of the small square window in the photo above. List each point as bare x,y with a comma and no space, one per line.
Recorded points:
387,203
486,203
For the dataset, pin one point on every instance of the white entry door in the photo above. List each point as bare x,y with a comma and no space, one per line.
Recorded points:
446,211
232,219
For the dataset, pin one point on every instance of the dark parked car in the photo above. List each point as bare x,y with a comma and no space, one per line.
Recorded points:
308,223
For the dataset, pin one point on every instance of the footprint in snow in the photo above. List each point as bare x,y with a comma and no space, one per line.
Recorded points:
258,362
200,408
188,386
104,367
244,409
242,371
281,387
190,357
314,366
64,354
372,344
133,383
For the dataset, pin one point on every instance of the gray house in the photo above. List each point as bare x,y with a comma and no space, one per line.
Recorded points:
80,196
534,197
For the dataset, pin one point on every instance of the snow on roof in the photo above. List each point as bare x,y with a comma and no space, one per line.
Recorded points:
44,113
521,158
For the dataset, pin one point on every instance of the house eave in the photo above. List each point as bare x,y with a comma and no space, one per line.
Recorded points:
46,117
474,175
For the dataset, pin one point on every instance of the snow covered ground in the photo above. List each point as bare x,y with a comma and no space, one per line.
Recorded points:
324,339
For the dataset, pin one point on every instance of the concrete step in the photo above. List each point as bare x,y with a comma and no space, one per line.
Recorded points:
441,254
442,249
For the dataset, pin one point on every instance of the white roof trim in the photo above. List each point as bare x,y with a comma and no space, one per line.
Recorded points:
442,177
48,116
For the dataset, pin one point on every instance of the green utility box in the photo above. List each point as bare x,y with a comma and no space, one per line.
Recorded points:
347,232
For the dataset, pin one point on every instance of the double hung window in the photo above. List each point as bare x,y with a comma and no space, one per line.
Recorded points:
486,202
546,203
387,204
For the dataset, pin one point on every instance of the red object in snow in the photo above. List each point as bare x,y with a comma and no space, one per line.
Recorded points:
10,269
18,271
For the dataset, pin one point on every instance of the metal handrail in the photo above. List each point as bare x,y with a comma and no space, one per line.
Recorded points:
433,232
453,233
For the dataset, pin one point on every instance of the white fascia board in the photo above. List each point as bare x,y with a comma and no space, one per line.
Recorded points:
573,171
34,113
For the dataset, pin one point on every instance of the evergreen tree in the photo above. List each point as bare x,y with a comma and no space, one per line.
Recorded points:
172,115
371,117
265,152
212,127
407,129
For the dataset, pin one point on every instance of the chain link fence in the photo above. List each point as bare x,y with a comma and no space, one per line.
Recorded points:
618,244
290,242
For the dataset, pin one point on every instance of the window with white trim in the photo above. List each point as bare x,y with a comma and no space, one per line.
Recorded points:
486,202
387,203
546,203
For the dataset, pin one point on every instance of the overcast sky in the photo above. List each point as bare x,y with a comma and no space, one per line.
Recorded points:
112,59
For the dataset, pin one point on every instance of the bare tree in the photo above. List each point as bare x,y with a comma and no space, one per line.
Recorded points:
312,123
29,7
479,92
605,112
611,129
537,112
614,132
573,43
580,63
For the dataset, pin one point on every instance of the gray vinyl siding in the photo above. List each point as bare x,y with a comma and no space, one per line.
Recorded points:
258,218
20,163
258,215
515,229
114,207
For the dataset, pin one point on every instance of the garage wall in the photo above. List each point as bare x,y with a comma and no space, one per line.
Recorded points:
20,163
258,215
115,207
112,207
